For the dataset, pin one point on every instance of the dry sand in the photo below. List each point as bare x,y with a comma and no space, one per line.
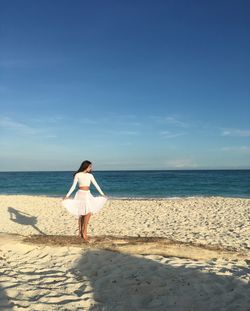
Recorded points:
209,221
200,263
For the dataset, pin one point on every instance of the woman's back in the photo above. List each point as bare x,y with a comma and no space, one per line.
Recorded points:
84,179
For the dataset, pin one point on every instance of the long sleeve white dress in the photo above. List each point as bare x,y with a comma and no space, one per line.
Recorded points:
84,202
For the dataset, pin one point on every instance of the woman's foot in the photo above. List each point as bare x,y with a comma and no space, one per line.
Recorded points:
85,237
80,234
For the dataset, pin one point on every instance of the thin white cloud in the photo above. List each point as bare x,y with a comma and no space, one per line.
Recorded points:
121,116
130,133
10,124
236,149
175,121
236,133
170,120
122,120
181,163
129,123
50,119
168,134
128,120
20,128
113,132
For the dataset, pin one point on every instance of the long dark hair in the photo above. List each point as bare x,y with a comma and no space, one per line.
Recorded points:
83,167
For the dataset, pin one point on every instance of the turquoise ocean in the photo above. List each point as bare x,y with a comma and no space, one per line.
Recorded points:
134,184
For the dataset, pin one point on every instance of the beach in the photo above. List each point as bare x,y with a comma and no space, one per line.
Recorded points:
169,254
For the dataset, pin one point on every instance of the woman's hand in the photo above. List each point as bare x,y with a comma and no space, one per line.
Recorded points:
65,198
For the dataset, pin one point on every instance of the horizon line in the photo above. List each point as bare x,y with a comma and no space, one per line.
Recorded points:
135,170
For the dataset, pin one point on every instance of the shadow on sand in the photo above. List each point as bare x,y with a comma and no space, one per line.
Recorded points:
24,219
105,280
5,303
122,282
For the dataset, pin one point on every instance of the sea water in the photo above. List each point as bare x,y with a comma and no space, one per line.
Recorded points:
134,184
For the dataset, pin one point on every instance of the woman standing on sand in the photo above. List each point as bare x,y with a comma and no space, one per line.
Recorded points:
84,203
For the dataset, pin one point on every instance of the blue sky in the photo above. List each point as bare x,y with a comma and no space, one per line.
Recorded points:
125,84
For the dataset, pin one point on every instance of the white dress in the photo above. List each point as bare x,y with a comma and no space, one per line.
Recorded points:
84,202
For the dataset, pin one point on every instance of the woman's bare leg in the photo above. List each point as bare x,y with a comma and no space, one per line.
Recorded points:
80,224
85,222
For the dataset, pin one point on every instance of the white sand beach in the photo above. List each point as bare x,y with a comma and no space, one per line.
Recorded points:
201,261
